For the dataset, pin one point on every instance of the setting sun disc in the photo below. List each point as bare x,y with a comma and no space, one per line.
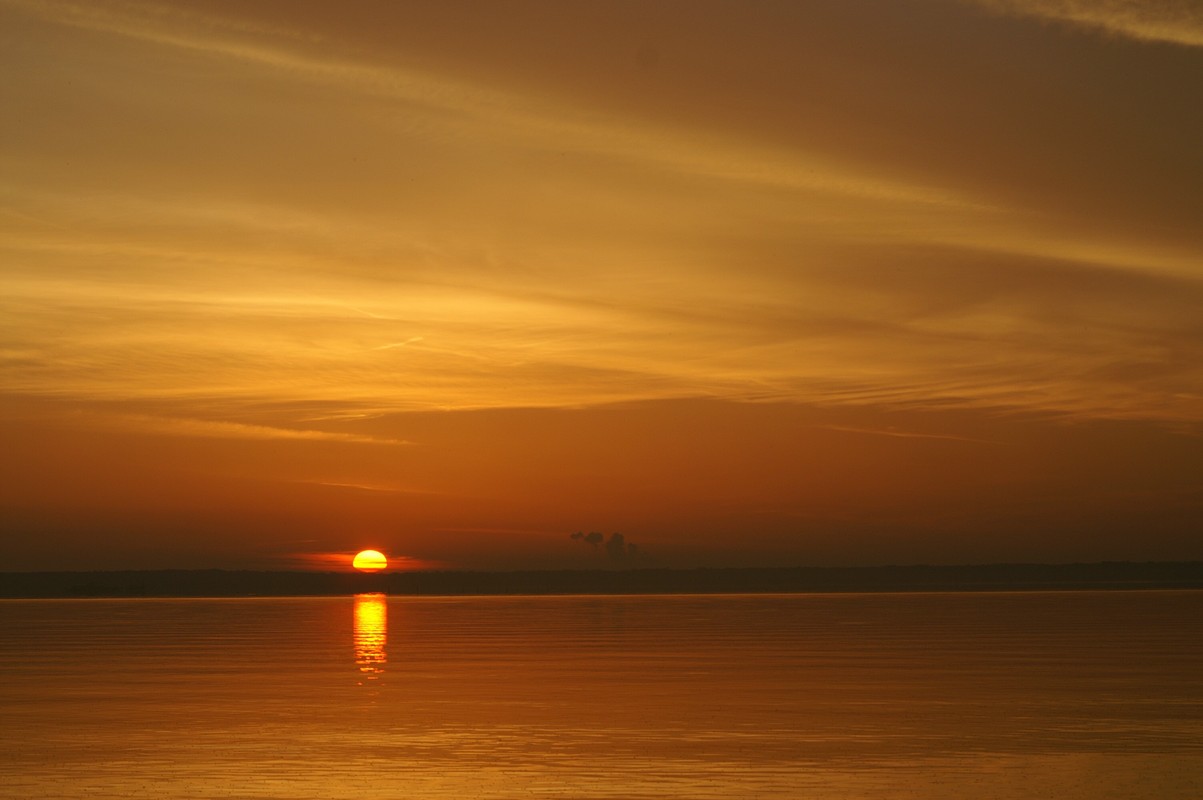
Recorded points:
369,561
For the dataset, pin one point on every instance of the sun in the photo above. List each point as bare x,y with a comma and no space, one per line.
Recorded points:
369,561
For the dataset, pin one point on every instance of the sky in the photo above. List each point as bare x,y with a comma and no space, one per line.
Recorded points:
819,282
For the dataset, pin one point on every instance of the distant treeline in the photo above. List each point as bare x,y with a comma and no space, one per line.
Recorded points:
239,583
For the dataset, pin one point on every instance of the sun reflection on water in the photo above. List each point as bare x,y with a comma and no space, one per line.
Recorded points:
371,633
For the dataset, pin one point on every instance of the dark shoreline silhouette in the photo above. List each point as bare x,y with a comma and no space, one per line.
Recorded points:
918,578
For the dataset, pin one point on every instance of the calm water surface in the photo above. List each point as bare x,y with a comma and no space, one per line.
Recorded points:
1024,695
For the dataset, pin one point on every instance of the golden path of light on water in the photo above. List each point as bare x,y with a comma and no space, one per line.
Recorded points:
371,633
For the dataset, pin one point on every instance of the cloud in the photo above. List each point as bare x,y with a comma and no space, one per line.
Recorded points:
363,487
1169,21
340,561
904,434
213,429
616,548
593,538
504,113
499,245
405,343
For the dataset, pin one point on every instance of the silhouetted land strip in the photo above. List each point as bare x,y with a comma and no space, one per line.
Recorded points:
987,577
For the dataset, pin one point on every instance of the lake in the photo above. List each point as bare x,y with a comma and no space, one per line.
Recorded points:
978,695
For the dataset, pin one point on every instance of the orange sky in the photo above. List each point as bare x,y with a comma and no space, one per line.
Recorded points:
823,282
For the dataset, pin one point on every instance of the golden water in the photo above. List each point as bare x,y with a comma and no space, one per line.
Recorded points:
1025,695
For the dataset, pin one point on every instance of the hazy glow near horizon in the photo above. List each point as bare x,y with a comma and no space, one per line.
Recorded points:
837,281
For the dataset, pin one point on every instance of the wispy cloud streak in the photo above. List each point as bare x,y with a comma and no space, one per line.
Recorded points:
216,429
1177,22
524,116
511,247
